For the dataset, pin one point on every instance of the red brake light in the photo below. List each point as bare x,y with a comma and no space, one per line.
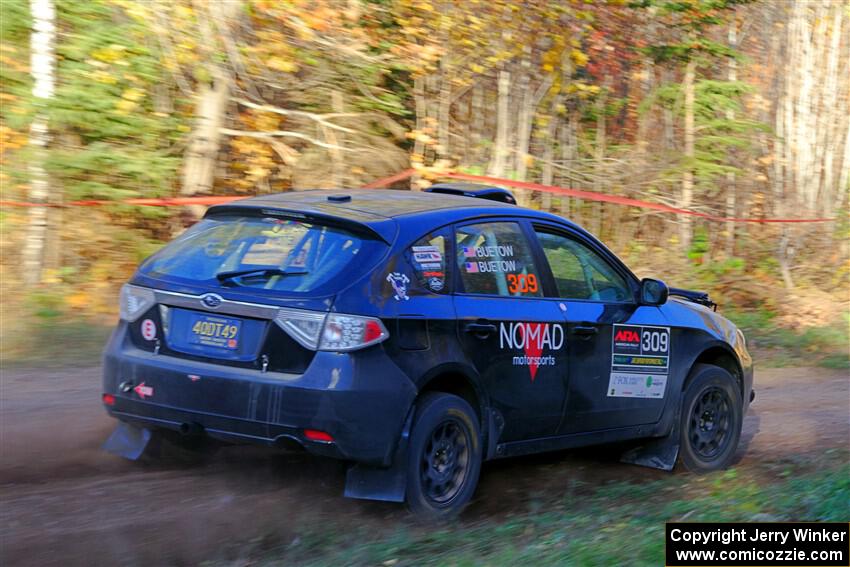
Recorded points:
108,399
316,435
372,332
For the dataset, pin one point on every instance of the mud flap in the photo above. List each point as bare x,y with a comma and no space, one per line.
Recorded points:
658,453
128,441
388,484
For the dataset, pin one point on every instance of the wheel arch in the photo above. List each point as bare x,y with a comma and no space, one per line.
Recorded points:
724,357
457,380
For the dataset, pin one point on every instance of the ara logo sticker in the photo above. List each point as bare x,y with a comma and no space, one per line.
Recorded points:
148,329
627,336
532,338
399,282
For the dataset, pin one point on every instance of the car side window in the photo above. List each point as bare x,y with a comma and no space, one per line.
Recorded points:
428,258
495,258
579,272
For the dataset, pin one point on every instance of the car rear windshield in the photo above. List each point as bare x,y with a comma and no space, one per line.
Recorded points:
265,253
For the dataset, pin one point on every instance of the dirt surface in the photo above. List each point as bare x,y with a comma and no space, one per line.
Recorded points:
63,501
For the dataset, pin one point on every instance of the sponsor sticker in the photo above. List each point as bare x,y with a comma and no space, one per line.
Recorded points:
435,283
640,347
143,391
634,385
148,329
640,360
427,254
399,282
532,338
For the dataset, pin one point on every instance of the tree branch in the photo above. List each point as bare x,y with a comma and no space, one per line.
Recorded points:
319,118
286,134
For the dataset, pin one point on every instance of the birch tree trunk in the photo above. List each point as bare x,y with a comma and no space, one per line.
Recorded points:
732,76
211,100
686,222
42,67
500,147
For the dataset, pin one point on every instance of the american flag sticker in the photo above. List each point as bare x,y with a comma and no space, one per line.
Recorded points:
472,267
469,251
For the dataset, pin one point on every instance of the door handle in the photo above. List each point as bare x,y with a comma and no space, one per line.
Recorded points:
480,330
585,331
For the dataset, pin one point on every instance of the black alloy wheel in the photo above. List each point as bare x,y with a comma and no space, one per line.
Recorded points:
711,419
444,456
445,462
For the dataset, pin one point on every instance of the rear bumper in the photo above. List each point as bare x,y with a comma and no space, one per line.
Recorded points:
361,399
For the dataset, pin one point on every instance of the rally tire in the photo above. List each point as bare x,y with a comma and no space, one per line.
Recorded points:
711,419
444,457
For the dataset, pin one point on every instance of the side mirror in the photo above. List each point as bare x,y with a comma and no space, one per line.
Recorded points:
653,292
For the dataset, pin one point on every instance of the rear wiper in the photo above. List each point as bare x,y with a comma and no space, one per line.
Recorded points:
261,272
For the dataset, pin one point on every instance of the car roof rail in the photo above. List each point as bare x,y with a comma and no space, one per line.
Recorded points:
488,192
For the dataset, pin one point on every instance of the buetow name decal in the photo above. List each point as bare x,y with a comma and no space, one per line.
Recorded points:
532,338
640,361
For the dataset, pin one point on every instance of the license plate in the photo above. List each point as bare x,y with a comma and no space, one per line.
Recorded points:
212,331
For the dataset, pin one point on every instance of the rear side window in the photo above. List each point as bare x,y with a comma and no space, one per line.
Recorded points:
494,258
428,258
314,257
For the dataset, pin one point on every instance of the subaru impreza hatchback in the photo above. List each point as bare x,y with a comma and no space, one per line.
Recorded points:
417,335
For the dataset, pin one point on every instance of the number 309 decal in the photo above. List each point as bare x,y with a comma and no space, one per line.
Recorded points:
654,341
522,283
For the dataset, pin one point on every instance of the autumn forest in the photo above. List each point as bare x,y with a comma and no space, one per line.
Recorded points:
733,109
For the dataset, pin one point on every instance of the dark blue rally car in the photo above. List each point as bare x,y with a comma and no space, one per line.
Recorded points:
417,335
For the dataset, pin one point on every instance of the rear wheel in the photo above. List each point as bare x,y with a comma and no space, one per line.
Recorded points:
711,419
444,457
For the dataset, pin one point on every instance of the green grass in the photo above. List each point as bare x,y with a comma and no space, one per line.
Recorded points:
827,346
618,524
53,342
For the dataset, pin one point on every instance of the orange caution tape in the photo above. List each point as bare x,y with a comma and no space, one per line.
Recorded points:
588,196
380,183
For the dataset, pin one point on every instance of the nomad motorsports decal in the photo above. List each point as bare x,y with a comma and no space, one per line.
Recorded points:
532,338
640,360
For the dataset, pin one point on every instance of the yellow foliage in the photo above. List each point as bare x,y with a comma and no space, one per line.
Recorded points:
578,57
125,106
282,65
79,300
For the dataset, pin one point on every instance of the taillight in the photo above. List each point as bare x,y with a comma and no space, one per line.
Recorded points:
135,301
332,332
351,332
108,399
316,435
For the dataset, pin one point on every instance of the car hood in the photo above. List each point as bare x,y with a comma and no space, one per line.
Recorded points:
700,316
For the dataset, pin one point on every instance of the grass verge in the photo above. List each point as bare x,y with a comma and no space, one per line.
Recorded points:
617,524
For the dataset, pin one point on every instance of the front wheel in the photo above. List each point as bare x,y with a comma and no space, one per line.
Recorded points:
711,419
444,457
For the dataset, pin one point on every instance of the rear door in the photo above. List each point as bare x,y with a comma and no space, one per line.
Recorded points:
618,366
511,333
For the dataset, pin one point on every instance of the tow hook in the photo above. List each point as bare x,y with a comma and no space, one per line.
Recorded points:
265,360
125,386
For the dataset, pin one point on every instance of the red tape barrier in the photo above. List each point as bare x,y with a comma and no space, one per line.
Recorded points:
587,196
401,176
